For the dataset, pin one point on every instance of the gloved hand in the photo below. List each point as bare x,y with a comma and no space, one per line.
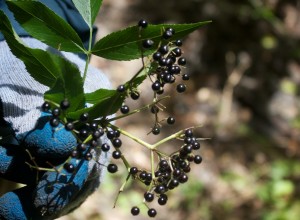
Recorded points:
23,127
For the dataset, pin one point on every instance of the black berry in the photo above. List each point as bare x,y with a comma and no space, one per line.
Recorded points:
181,88
124,109
105,147
152,213
133,170
84,117
46,106
69,126
171,120
112,168
163,49
54,122
147,43
65,104
181,61
156,86
156,56
83,133
167,34
116,154
149,197
56,112
185,76
135,95
162,200
142,23
197,159
121,88
81,147
135,210
178,43
88,156
117,142
69,167
156,130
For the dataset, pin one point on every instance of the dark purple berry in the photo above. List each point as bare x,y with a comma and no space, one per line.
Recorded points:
163,49
143,175
142,23
83,133
65,104
167,34
156,130
177,52
149,197
147,43
162,200
183,178
135,210
171,120
185,76
156,56
133,170
97,134
46,106
178,43
69,167
84,117
88,156
154,109
69,126
54,122
188,133
116,154
124,109
181,61
171,30
94,125
117,142
156,86
74,153
181,88
196,145
110,134
81,147
197,159
121,88
105,147
135,95
56,112
152,213
112,168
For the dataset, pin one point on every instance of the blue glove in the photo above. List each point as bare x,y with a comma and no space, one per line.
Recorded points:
24,128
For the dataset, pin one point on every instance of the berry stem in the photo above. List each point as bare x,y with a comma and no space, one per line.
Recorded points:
121,189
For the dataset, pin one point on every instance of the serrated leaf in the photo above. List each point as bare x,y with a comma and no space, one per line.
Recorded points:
126,44
88,9
98,95
51,70
43,24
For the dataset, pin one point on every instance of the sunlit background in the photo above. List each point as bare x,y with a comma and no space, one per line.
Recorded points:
245,74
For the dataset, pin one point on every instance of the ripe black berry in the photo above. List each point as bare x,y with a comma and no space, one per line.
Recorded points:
65,104
181,61
94,125
124,109
84,117
171,120
152,213
163,49
143,175
156,56
183,178
97,134
162,200
74,153
110,134
147,43
88,156
197,159
69,126
156,130
135,210
142,23
171,30
154,109
81,147
156,86
167,34
56,112
177,52
133,170
163,163
188,133
105,147
83,133
112,168
46,106
54,122
121,88
178,43
135,95
149,197
116,154
69,167
185,76
117,142
181,88
160,189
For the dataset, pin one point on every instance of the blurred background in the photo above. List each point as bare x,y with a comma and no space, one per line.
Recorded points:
245,75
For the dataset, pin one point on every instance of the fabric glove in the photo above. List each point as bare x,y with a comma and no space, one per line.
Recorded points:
24,127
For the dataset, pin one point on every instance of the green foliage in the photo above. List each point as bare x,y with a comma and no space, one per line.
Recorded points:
126,44
43,24
88,9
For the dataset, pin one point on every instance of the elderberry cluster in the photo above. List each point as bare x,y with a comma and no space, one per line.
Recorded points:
87,133
171,171
169,60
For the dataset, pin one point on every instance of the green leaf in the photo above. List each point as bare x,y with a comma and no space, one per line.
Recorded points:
43,24
88,9
51,70
98,95
126,44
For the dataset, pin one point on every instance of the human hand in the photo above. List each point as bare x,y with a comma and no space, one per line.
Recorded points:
28,138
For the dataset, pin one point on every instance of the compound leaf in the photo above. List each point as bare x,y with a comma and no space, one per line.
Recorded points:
43,24
126,44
